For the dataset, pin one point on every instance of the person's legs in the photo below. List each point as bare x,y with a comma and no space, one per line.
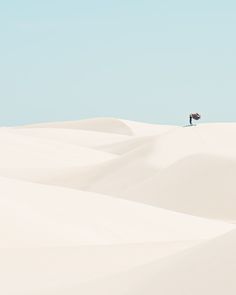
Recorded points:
190,119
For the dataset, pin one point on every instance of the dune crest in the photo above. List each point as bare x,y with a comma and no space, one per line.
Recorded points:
105,125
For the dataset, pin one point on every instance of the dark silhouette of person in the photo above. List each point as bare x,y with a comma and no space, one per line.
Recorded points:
194,116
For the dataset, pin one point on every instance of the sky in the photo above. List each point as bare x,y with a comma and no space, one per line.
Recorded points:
152,61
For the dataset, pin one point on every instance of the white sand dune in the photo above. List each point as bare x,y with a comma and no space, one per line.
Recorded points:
205,269
43,270
110,206
24,151
204,184
107,125
57,216
77,137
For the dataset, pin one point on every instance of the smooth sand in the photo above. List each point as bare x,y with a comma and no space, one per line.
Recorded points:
108,206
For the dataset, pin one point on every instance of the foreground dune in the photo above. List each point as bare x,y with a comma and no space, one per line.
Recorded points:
205,269
109,206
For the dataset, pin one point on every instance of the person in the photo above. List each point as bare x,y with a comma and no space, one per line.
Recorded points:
195,116
190,119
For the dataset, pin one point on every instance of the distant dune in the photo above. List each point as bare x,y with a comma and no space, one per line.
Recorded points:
114,207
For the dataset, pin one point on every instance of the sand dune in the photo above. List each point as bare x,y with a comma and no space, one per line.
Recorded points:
23,151
63,217
204,184
108,125
90,139
111,206
205,269
43,270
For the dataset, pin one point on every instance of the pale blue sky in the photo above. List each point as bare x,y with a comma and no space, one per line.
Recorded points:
149,60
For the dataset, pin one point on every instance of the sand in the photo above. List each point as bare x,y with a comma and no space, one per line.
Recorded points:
109,206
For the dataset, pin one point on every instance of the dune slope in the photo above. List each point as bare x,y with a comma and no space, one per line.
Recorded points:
206,269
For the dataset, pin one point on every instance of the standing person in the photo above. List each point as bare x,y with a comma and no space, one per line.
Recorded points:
194,116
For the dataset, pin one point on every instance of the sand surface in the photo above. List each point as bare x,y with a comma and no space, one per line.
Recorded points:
114,207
